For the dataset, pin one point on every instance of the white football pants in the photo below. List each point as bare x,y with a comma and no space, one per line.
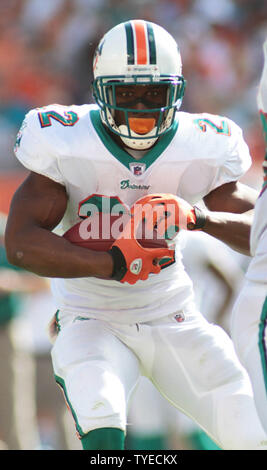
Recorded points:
248,331
191,362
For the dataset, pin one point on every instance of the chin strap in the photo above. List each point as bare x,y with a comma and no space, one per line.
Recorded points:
137,144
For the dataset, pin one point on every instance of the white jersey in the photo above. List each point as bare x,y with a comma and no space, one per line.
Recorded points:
258,238
71,146
201,252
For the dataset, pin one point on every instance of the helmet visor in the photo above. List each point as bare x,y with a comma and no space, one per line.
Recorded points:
144,96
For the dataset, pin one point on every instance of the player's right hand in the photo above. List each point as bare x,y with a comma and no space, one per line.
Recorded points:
133,262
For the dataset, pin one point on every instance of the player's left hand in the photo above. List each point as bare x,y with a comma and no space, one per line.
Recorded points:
169,214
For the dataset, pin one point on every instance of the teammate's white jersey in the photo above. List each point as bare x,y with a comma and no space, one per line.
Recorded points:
204,254
258,238
71,146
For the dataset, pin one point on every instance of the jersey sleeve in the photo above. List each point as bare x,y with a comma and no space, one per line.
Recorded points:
221,156
262,106
34,151
235,160
262,91
259,225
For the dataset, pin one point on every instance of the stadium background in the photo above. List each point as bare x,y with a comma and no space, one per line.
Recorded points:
46,51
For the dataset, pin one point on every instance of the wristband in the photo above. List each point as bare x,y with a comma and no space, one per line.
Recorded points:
200,219
119,264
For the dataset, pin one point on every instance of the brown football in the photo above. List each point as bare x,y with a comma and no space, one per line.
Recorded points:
99,232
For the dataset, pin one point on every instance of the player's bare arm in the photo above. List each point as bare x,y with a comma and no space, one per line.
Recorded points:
37,208
230,214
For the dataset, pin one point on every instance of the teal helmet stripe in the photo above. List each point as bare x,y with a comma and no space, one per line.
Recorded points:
151,44
130,35
130,43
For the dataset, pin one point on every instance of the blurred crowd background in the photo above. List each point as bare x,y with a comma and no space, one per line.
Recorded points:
46,52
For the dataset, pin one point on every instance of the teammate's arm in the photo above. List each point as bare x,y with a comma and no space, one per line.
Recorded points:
37,207
230,214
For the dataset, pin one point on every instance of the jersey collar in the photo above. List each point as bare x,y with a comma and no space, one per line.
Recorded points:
121,155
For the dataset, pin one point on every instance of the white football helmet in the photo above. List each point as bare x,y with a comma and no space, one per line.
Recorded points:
137,52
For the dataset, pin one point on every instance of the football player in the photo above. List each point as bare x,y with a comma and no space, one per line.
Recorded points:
117,310
249,319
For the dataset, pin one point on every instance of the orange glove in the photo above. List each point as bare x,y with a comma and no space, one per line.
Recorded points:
133,262
168,214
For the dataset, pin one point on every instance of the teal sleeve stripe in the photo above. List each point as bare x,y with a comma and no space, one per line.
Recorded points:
262,342
58,326
263,117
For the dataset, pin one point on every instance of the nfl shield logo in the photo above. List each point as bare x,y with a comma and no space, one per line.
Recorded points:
137,168
179,317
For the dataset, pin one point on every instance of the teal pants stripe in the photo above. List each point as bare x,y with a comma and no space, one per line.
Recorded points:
262,342
104,439
61,383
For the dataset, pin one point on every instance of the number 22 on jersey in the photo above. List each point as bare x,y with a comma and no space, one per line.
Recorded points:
67,118
223,128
